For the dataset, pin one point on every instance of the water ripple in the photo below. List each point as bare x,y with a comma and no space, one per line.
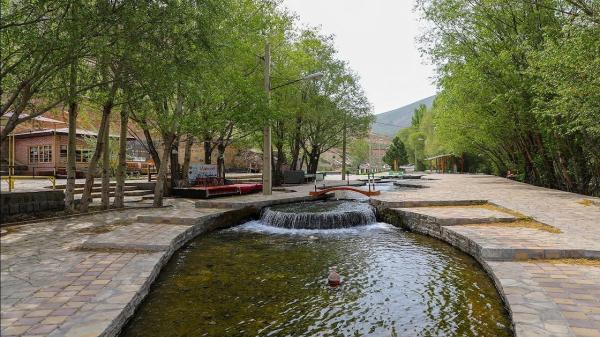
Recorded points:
258,280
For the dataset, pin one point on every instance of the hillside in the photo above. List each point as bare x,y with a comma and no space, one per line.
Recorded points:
388,123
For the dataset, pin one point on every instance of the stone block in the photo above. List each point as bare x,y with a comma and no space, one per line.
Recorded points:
13,208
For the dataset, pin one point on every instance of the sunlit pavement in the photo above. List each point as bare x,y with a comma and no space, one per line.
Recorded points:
53,284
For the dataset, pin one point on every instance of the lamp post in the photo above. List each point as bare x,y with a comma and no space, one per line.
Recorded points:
267,176
379,142
420,139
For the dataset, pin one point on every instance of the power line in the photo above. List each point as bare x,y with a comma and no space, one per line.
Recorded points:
400,126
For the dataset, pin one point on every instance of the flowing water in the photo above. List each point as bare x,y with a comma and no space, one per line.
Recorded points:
319,215
258,280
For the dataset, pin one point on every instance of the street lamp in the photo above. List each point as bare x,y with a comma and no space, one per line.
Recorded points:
267,176
379,142
420,139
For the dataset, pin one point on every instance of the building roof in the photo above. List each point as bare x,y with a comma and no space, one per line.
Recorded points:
37,118
62,131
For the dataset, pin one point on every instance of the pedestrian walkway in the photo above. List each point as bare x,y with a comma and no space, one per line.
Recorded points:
85,276
535,245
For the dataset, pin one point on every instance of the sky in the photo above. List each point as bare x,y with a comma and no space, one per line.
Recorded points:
377,38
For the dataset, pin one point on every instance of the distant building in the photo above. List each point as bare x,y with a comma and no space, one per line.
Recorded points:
44,151
41,147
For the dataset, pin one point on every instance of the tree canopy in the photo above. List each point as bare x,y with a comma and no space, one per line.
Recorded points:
396,154
186,72
519,86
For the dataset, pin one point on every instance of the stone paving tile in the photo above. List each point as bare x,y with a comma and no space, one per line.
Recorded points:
548,299
552,207
142,236
526,238
50,287
450,216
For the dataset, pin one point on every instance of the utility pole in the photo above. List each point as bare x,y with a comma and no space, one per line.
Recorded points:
267,172
344,150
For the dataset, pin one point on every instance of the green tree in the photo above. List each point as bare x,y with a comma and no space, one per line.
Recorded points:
519,86
396,153
359,152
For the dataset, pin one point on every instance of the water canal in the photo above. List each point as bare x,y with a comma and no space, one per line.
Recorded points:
260,280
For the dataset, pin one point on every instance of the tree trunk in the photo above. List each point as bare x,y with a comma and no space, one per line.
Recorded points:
71,145
221,159
208,148
295,150
71,160
313,161
175,176
278,164
187,157
86,197
303,160
122,166
152,149
105,195
159,188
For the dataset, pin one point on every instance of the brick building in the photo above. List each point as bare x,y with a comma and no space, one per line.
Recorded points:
44,151
41,147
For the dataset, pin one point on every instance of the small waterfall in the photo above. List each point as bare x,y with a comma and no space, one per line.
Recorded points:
319,215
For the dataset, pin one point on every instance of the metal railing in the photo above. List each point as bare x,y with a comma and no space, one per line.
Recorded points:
10,179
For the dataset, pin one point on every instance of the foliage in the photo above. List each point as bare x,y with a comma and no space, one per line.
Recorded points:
180,69
519,86
359,152
113,146
396,154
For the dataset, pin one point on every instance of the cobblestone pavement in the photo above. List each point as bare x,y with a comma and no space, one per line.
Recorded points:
545,298
84,276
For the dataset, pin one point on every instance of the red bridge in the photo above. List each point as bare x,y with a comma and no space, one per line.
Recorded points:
344,188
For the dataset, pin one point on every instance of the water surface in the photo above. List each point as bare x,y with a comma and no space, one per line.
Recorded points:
256,280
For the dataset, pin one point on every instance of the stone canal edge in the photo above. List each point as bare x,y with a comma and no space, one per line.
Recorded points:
97,293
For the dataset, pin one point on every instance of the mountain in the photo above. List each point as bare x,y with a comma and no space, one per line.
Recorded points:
388,123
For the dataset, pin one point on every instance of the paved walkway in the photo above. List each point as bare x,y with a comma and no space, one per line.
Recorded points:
547,294
84,276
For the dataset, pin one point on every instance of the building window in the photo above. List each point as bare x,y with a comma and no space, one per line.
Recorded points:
63,153
83,156
40,154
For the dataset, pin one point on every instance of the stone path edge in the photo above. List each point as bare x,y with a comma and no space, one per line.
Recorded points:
429,226
228,217
208,223
393,217
76,215
521,326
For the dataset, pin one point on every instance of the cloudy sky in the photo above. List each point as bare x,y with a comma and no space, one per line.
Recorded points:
377,38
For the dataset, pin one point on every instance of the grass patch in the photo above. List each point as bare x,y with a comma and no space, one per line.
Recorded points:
521,223
487,206
8,230
586,202
572,261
